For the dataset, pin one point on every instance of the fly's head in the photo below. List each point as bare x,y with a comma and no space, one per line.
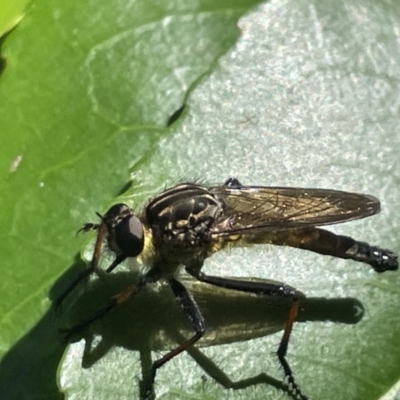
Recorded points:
125,231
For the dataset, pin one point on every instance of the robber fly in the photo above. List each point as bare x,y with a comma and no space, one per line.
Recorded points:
189,222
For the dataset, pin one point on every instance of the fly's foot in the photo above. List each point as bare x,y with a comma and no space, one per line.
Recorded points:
380,260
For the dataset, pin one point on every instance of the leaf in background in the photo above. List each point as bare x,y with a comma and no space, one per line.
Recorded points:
88,90
307,98
11,13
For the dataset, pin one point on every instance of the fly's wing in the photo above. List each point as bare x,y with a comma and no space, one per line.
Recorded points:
273,209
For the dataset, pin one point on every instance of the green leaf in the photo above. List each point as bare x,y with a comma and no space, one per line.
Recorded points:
307,98
87,92
11,13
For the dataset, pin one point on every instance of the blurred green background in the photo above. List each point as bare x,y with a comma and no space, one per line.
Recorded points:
303,94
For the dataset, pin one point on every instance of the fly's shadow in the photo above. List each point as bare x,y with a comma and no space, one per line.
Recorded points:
151,322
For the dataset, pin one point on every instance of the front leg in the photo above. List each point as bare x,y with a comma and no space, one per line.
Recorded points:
131,290
101,233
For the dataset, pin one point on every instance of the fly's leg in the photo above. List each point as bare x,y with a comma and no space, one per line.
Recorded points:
94,264
131,290
269,289
115,301
328,243
192,311
101,232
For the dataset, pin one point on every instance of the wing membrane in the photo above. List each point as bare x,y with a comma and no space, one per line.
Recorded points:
273,209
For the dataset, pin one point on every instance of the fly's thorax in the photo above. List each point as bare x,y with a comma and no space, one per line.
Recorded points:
181,219
181,202
181,251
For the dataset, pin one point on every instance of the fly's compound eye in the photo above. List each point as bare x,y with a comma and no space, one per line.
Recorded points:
117,211
129,236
